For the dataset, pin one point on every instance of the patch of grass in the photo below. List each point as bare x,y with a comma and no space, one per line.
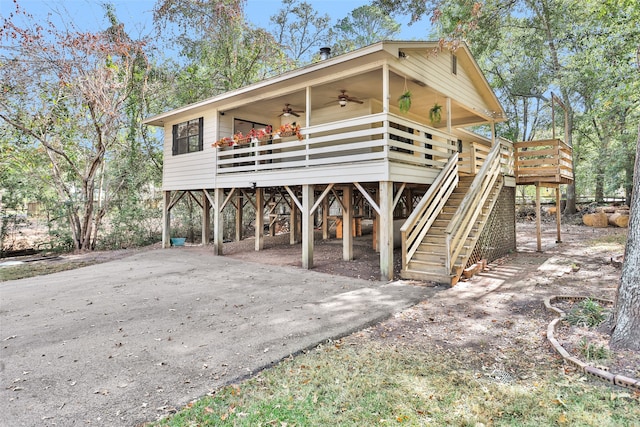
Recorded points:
373,385
586,313
593,352
615,241
32,269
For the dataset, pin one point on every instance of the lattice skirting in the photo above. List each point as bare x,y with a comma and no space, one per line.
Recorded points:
499,235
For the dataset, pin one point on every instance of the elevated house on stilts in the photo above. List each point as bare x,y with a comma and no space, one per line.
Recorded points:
340,129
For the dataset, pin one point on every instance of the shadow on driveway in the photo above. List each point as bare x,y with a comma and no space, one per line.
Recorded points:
126,341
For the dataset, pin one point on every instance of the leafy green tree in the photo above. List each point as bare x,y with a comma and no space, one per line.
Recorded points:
363,26
604,74
66,93
218,50
301,31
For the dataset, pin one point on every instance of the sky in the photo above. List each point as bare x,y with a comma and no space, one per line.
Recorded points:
138,19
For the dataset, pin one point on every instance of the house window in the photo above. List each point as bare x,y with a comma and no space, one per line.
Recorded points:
187,137
454,64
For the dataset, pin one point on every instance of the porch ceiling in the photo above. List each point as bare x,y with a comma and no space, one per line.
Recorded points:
364,87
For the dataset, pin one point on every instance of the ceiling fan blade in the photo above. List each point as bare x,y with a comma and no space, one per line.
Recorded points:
293,113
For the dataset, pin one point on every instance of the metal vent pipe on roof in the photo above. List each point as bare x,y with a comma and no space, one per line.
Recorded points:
325,52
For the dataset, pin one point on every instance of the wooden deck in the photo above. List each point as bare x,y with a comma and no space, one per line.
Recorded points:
543,162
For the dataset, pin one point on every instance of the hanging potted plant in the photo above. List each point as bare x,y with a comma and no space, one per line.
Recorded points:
404,102
435,114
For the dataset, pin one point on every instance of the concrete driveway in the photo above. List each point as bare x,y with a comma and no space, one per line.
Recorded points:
124,342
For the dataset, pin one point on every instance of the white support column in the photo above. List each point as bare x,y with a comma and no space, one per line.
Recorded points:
206,219
386,230
347,218
218,238
448,107
259,219
385,88
166,219
307,226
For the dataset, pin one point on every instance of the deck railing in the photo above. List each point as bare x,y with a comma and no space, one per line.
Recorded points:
416,227
363,139
506,157
471,206
471,161
543,161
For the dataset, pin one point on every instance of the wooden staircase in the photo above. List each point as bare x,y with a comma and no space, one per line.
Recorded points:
438,249
429,260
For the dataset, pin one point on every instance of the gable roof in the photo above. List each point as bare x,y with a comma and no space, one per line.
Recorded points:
369,54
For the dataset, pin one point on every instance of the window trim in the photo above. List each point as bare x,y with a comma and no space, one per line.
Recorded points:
175,139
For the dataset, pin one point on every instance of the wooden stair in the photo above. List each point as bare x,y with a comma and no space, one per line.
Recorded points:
429,261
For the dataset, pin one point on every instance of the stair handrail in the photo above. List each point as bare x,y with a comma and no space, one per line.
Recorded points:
467,213
424,214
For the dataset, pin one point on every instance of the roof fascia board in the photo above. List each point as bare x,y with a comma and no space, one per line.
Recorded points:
368,50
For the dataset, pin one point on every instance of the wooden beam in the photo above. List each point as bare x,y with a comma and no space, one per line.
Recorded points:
386,230
247,197
321,198
177,196
166,219
367,196
239,212
218,229
195,198
307,226
347,217
558,215
259,219
226,200
209,197
325,218
538,220
398,195
294,199
293,224
206,218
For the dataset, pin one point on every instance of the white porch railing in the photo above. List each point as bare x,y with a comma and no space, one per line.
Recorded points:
369,138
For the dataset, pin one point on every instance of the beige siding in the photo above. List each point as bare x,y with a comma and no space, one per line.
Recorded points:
435,71
191,171
342,173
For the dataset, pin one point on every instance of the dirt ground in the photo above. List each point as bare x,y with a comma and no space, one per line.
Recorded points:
497,318
494,314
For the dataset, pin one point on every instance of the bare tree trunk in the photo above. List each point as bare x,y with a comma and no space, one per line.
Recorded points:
626,315
599,182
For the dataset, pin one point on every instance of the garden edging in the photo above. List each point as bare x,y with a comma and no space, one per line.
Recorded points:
619,380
